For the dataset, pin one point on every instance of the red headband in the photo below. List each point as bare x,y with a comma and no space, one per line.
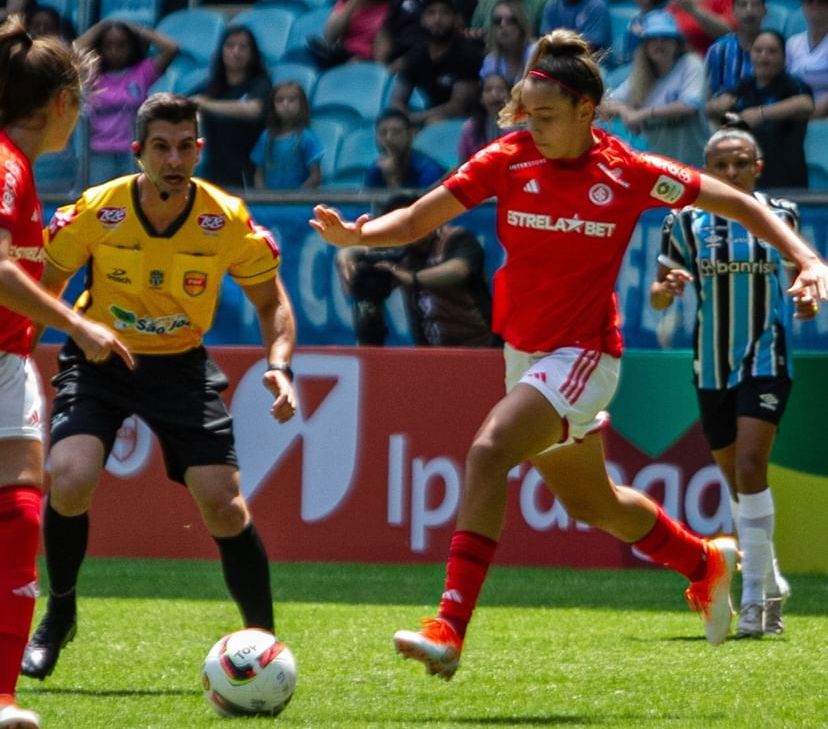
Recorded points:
540,73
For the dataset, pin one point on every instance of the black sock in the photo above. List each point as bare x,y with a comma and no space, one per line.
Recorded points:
65,539
247,574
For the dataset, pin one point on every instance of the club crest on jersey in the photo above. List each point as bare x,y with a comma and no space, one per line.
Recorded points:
211,222
600,194
111,217
194,282
156,278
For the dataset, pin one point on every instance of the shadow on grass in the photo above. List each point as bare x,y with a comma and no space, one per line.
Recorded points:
406,584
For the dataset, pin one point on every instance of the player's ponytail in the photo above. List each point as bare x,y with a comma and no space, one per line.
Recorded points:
563,58
31,71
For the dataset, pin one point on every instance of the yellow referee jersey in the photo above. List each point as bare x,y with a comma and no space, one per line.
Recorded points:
158,290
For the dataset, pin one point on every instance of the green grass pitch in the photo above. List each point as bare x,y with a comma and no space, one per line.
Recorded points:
547,648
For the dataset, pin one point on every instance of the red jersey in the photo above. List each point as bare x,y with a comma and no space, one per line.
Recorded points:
22,217
565,225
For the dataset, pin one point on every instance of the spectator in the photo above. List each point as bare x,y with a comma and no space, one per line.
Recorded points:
632,33
589,18
288,153
233,106
400,32
446,67
482,18
124,75
702,21
663,96
350,32
807,54
400,165
482,126
44,20
728,60
443,278
508,42
776,106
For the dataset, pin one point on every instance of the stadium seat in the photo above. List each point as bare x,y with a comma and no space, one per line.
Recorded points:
418,101
168,80
795,23
330,133
357,152
198,32
613,78
302,73
439,141
191,81
620,15
145,12
352,91
816,153
270,26
304,26
776,17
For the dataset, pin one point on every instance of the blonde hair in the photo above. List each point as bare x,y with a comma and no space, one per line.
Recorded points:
643,74
564,57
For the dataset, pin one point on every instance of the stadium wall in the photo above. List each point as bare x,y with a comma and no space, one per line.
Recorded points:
370,470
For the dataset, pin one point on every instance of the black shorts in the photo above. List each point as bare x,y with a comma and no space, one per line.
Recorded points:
177,395
763,398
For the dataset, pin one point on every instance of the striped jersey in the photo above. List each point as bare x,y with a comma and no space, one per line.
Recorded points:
743,314
726,64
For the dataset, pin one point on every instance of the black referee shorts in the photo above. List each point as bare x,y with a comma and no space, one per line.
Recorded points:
763,398
177,395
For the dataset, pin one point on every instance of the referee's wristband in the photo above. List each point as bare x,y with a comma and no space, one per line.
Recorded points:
281,367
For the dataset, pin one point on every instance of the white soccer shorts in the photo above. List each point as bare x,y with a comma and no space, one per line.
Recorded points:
578,383
21,399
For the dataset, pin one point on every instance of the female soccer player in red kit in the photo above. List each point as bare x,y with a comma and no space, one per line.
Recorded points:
568,197
40,92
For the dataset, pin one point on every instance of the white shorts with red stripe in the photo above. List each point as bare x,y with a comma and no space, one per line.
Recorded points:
21,401
579,384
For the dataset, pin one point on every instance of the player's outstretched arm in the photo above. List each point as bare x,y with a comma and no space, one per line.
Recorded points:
719,197
399,227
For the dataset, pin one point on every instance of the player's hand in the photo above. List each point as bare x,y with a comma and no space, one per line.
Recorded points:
284,404
98,343
812,281
675,281
330,225
807,307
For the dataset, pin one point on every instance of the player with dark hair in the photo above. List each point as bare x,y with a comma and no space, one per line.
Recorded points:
742,364
569,197
158,245
41,83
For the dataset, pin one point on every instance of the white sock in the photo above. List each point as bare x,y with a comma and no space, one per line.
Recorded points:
734,515
756,517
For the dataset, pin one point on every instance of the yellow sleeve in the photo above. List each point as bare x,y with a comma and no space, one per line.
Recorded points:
258,256
67,248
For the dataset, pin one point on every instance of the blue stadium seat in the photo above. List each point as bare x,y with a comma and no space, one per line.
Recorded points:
330,133
304,26
304,74
439,141
418,101
776,17
615,77
190,81
816,153
357,152
198,32
795,23
145,12
59,171
270,26
620,16
168,80
352,91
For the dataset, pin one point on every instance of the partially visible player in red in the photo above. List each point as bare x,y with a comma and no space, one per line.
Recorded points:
40,93
569,196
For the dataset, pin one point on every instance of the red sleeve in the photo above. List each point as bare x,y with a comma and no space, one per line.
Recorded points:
10,198
476,179
663,182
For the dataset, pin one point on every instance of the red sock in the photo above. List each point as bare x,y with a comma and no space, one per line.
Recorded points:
670,544
468,562
19,535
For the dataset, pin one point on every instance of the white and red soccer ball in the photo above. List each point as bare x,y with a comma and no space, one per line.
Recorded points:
249,672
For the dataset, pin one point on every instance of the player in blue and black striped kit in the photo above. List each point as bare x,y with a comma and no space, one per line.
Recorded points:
742,360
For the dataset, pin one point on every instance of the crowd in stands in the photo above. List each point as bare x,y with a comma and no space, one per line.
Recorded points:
361,94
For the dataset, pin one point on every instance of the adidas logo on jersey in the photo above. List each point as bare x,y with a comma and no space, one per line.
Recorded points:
532,186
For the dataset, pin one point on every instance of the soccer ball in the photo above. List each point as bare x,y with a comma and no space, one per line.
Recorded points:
249,672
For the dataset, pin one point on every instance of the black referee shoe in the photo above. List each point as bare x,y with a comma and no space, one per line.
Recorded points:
56,629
